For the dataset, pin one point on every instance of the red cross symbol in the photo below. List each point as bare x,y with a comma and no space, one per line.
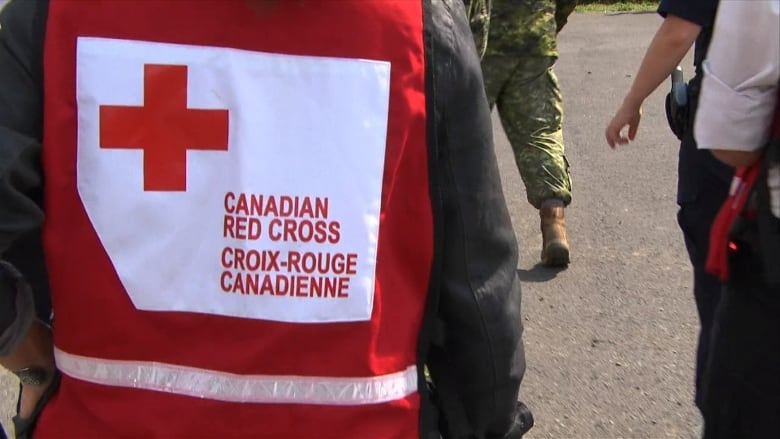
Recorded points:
164,128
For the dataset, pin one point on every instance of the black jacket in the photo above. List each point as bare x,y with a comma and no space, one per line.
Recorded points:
472,336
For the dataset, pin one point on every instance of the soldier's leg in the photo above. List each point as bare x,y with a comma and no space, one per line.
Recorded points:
496,71
531,109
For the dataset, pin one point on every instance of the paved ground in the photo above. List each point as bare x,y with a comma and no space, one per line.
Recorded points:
610,340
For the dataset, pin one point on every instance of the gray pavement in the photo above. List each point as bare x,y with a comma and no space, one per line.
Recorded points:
610,341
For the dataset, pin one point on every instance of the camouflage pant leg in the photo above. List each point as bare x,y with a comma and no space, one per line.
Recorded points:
496,71
531,108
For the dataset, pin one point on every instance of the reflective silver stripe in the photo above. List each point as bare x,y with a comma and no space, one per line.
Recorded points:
211,384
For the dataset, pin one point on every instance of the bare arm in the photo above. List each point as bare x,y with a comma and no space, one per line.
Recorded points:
671,42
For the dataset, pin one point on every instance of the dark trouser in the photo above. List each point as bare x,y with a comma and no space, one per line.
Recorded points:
692,218
741,386
703,187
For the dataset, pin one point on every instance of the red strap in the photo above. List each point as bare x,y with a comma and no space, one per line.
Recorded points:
741,186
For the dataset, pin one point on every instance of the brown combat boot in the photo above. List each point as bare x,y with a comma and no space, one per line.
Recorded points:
555,246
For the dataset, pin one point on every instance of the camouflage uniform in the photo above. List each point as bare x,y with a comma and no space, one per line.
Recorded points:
517,68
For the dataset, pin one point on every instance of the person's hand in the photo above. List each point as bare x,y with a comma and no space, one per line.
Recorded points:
628,115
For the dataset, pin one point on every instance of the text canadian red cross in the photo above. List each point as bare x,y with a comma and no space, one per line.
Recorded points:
164,128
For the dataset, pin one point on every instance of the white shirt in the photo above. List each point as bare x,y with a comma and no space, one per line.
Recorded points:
741,72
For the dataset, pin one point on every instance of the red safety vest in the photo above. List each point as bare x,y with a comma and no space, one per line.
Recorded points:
289,149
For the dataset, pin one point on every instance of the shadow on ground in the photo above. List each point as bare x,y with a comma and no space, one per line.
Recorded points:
539,273
614,14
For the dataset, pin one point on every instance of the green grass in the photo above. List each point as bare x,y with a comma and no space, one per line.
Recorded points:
627,6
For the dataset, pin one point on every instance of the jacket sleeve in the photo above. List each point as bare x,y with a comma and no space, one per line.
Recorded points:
21,77
480,296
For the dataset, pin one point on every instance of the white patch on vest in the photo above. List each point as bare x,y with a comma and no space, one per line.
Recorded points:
280,223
